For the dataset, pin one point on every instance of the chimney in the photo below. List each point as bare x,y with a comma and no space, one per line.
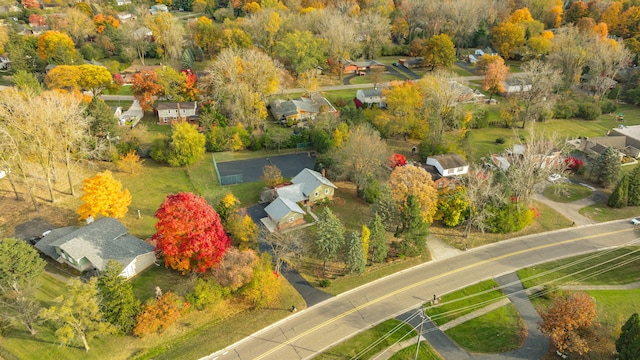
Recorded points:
323,172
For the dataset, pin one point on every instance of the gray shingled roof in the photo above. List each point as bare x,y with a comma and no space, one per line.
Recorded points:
44,244
291,192
310,181
103,240
372,92
450,161
174,105
280,207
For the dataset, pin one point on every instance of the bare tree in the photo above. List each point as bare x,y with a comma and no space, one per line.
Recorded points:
482,190
286,247
568,54
543,79
168,32
340,32
607,58
376,29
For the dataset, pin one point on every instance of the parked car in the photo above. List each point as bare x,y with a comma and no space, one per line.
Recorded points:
554,177
635,221
396,64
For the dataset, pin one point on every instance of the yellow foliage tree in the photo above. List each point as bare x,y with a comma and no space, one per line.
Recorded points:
246,233
506,37
272,176
130,163
365,236
413,180
340,135
103,195
65,77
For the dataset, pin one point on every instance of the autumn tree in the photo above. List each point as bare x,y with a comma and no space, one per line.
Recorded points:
365,237
77,315
482,190
607,58
173,84
287,248
119,304
301,50
158,314
272,176
413,180
340,37
452,204
543,79
628,344
130,162
329,236
168,33
264,288
186,145
55,47
20,268
65,77
506,37
378,30
568,55
439,52
404,101
567,320
354,258
78,25
94,78
243,231
235,269
189,234
362,156
495,76
103,195
145,86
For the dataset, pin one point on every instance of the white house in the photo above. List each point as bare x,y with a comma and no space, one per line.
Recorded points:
369,97
172,111
158,8
449,164
516,85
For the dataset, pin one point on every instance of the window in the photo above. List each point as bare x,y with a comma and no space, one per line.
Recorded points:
291,219
440,184
326,191
315,194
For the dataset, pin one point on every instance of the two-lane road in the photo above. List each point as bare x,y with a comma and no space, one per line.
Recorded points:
311,331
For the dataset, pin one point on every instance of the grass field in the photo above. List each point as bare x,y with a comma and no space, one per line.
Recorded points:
408,353
602,213
464,301
566,192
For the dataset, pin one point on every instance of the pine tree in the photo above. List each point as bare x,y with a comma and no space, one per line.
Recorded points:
354,259
634,187
606,167
414,228
119,304
620,195
378,239
329,236
628,344
387,209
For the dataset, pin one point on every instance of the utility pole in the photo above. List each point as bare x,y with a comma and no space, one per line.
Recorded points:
422,317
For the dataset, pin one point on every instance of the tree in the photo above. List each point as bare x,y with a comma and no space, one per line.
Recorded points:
365,237
378,30
55,47
353,257
482,190
404,101
158,314
634,187
65,77
506,37
362,156
440,52
189,233
145,86
606,167
452,206
568,55
173,84
287,248
20,268
235,270
243,231
102,121
628,344
272,176
119,304
301,50
566,321
329,236
264,288
495,76
168,33
340,37
620,195
103,195
26,82
413,180
130,162
387,208
414,228
226,207
378,243
186,145
539,100
94,78
78,25
607,58
78,314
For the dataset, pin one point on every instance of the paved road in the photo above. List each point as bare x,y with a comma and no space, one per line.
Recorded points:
313,330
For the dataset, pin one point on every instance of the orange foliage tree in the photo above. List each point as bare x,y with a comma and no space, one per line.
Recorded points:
158,314
145,86
413,180
103,195
236,268
55,47
567,320
495,76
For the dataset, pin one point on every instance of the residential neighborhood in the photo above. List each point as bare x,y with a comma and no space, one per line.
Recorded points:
202,179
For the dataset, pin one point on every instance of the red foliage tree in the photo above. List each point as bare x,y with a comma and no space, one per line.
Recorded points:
573,163
397,160
189,233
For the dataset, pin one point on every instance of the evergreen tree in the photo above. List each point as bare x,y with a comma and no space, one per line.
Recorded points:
606,167
354,259
102,120
634,187
628,344
329,236
387,209
378,239
414,228
119,305
620,195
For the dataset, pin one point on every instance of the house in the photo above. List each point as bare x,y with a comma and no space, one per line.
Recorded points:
516,85
314,186
550,159
125,16
5,63
632,138
158,8
439,181
465,93
123,2
349,67
282,214
143,33
169,112
449,164
412,63
473,59
304,108
90,247
370,97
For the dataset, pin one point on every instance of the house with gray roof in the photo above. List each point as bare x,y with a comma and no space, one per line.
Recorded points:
92,246
370,97
301,109
315,187
449,164
283,214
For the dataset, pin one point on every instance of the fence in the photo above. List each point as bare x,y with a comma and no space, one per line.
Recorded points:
227,179
304,145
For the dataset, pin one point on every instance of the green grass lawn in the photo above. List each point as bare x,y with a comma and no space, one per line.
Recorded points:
361,345
498,331
566,192
350,209
144,285
601,212
464,301
567,269
409,353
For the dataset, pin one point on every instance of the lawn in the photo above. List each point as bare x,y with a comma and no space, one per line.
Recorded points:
566,192
366,79
464,301
602,213
368,343
350,209
566,271
498,331
409,353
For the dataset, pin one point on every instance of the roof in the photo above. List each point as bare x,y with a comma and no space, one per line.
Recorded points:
310,181
103,240
280,207
44,244
293,107
632,132
435,175
450,161
371,92
291,192
174,105
364,63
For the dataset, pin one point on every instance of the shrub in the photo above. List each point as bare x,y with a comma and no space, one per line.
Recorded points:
480,119
158,314
324,283
608,106
159,149
340,102
371,191
506,219
500,140
206,293
564,110
588,111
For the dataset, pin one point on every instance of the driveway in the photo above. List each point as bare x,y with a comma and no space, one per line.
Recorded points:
571,210
32,228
